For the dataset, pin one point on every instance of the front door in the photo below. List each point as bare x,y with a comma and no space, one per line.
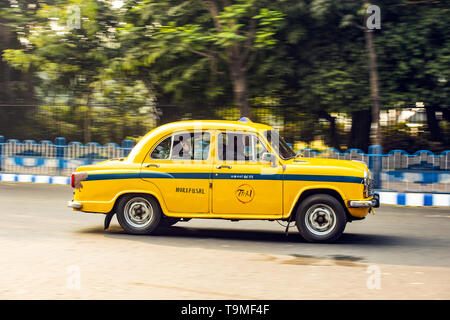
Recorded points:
180,166
242,183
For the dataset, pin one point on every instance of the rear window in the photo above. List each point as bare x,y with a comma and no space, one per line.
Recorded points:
183,146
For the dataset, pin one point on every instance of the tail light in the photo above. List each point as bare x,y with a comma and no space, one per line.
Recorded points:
76,179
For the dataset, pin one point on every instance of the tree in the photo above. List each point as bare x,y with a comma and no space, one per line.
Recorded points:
415,58
374,82
350,12
214,32
297,61
317,69
69,45
16,87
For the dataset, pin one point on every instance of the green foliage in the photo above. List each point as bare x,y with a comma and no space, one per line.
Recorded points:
108,124
402,137
300,60
237,23
75,65
415,55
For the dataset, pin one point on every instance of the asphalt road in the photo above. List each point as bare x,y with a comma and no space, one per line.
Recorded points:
38,231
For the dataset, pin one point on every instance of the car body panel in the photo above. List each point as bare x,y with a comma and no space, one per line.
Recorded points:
214,188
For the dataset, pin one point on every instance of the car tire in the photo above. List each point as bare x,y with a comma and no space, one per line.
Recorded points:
168,221
138,214
321,218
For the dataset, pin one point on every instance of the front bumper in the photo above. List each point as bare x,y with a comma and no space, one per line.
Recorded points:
74,205
373,203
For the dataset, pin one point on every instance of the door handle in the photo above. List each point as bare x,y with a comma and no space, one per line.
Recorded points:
152,165
221,167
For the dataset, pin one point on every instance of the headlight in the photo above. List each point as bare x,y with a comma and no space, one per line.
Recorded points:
368,185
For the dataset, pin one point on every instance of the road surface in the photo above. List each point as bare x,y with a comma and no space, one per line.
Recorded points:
49,251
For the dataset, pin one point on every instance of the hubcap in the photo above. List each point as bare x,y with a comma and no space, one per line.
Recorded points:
138,212
320,219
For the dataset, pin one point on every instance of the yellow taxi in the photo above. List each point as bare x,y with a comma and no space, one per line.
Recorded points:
227,170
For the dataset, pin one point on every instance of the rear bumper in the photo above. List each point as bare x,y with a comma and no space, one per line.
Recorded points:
74,205
373,203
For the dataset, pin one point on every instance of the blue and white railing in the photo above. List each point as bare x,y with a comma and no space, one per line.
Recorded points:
55,158
396,171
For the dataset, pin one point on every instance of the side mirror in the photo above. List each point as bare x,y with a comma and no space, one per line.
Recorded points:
269,157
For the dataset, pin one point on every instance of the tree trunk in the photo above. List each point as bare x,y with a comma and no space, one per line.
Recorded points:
167,112
5,78
333,134
433,124
236,61
360,131
28,78
239,83
375,132
446,113
87,121
334,138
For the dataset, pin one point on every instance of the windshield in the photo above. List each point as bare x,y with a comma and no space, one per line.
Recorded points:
279,145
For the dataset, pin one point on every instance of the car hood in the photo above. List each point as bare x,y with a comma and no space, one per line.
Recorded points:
321,166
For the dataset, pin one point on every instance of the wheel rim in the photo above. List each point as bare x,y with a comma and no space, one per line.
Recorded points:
320,219
138,213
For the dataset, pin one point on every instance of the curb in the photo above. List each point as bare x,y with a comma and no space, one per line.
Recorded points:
394,198
414,199
12,177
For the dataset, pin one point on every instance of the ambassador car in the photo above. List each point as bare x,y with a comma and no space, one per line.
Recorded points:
232,170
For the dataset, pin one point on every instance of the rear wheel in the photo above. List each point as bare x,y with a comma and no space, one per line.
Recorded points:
138,214
321,218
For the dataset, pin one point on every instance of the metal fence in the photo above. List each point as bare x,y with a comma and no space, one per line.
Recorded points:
108,124
422,171
397,170
58,158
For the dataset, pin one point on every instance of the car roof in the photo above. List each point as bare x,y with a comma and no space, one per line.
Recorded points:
215,124
194,125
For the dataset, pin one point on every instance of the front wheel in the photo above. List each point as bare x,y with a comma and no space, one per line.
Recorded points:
321,218
138,214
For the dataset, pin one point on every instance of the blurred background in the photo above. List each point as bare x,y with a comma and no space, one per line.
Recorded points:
340,74
81,81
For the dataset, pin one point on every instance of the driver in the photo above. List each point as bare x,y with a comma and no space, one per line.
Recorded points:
242,148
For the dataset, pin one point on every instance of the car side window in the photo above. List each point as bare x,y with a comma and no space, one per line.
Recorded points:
162,150
183,146
191,146
234,146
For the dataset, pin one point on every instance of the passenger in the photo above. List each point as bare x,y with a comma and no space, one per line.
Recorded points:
183,148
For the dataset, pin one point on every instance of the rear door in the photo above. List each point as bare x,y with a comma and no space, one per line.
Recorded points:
180,166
